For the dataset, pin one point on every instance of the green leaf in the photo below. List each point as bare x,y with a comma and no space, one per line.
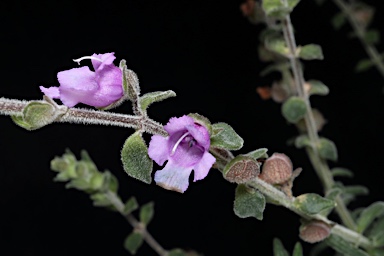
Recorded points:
149,98
338,20
369,214
298,250
317,88
277,45
133,242
313,203
327,149
341,172
302,141
223,136
310,52
364,65
146,213
110,182
136,161
100,199
356,190
294,109
376,233
176,252
278,248
37,114
202,120
130,205
333,193
130,82
277,8
372,36
248,202
241,169
258,153
343,247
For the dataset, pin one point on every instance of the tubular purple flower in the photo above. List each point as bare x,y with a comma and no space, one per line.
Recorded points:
81,85
186,149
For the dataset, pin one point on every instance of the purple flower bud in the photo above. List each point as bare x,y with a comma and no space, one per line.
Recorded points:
81,85
186,149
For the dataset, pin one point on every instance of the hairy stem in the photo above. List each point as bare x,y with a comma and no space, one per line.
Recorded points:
339,230
138,226
89,116
371,50
320,165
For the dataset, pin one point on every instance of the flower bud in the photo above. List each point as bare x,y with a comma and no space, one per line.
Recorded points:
314,231
277,169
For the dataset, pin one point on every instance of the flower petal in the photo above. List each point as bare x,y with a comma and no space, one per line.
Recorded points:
106,59
178,124
110,84
78,85
173,177
202,168
200,134
52,92
158,149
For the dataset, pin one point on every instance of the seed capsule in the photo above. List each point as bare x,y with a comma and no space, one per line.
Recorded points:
315,231
277,169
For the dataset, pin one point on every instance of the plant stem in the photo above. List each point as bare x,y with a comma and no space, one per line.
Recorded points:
360,32
288,202
138,226
89,116
319,164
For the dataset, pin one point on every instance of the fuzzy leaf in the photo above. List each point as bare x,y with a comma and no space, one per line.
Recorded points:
277,45
100,199
258,153
311,52
248,203
202,120
223,136
364,65
369,214
294,109
176,252
110,182
278,248
130,82
277,8
130,205
376,233
327,149
146,213
355,190
149,98
313,203
341,172
302,141
133,242
372,36
338,20
333,193
318,88
343,247
136,161
298,250
241,169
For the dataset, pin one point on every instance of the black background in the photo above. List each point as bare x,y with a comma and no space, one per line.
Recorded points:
206,52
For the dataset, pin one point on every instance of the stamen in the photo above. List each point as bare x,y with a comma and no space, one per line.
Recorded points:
178,142
86,58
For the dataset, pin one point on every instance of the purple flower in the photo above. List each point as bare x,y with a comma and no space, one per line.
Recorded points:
185,148
81,85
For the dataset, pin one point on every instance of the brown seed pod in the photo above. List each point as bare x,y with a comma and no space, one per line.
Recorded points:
314,231
277,169
241,169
